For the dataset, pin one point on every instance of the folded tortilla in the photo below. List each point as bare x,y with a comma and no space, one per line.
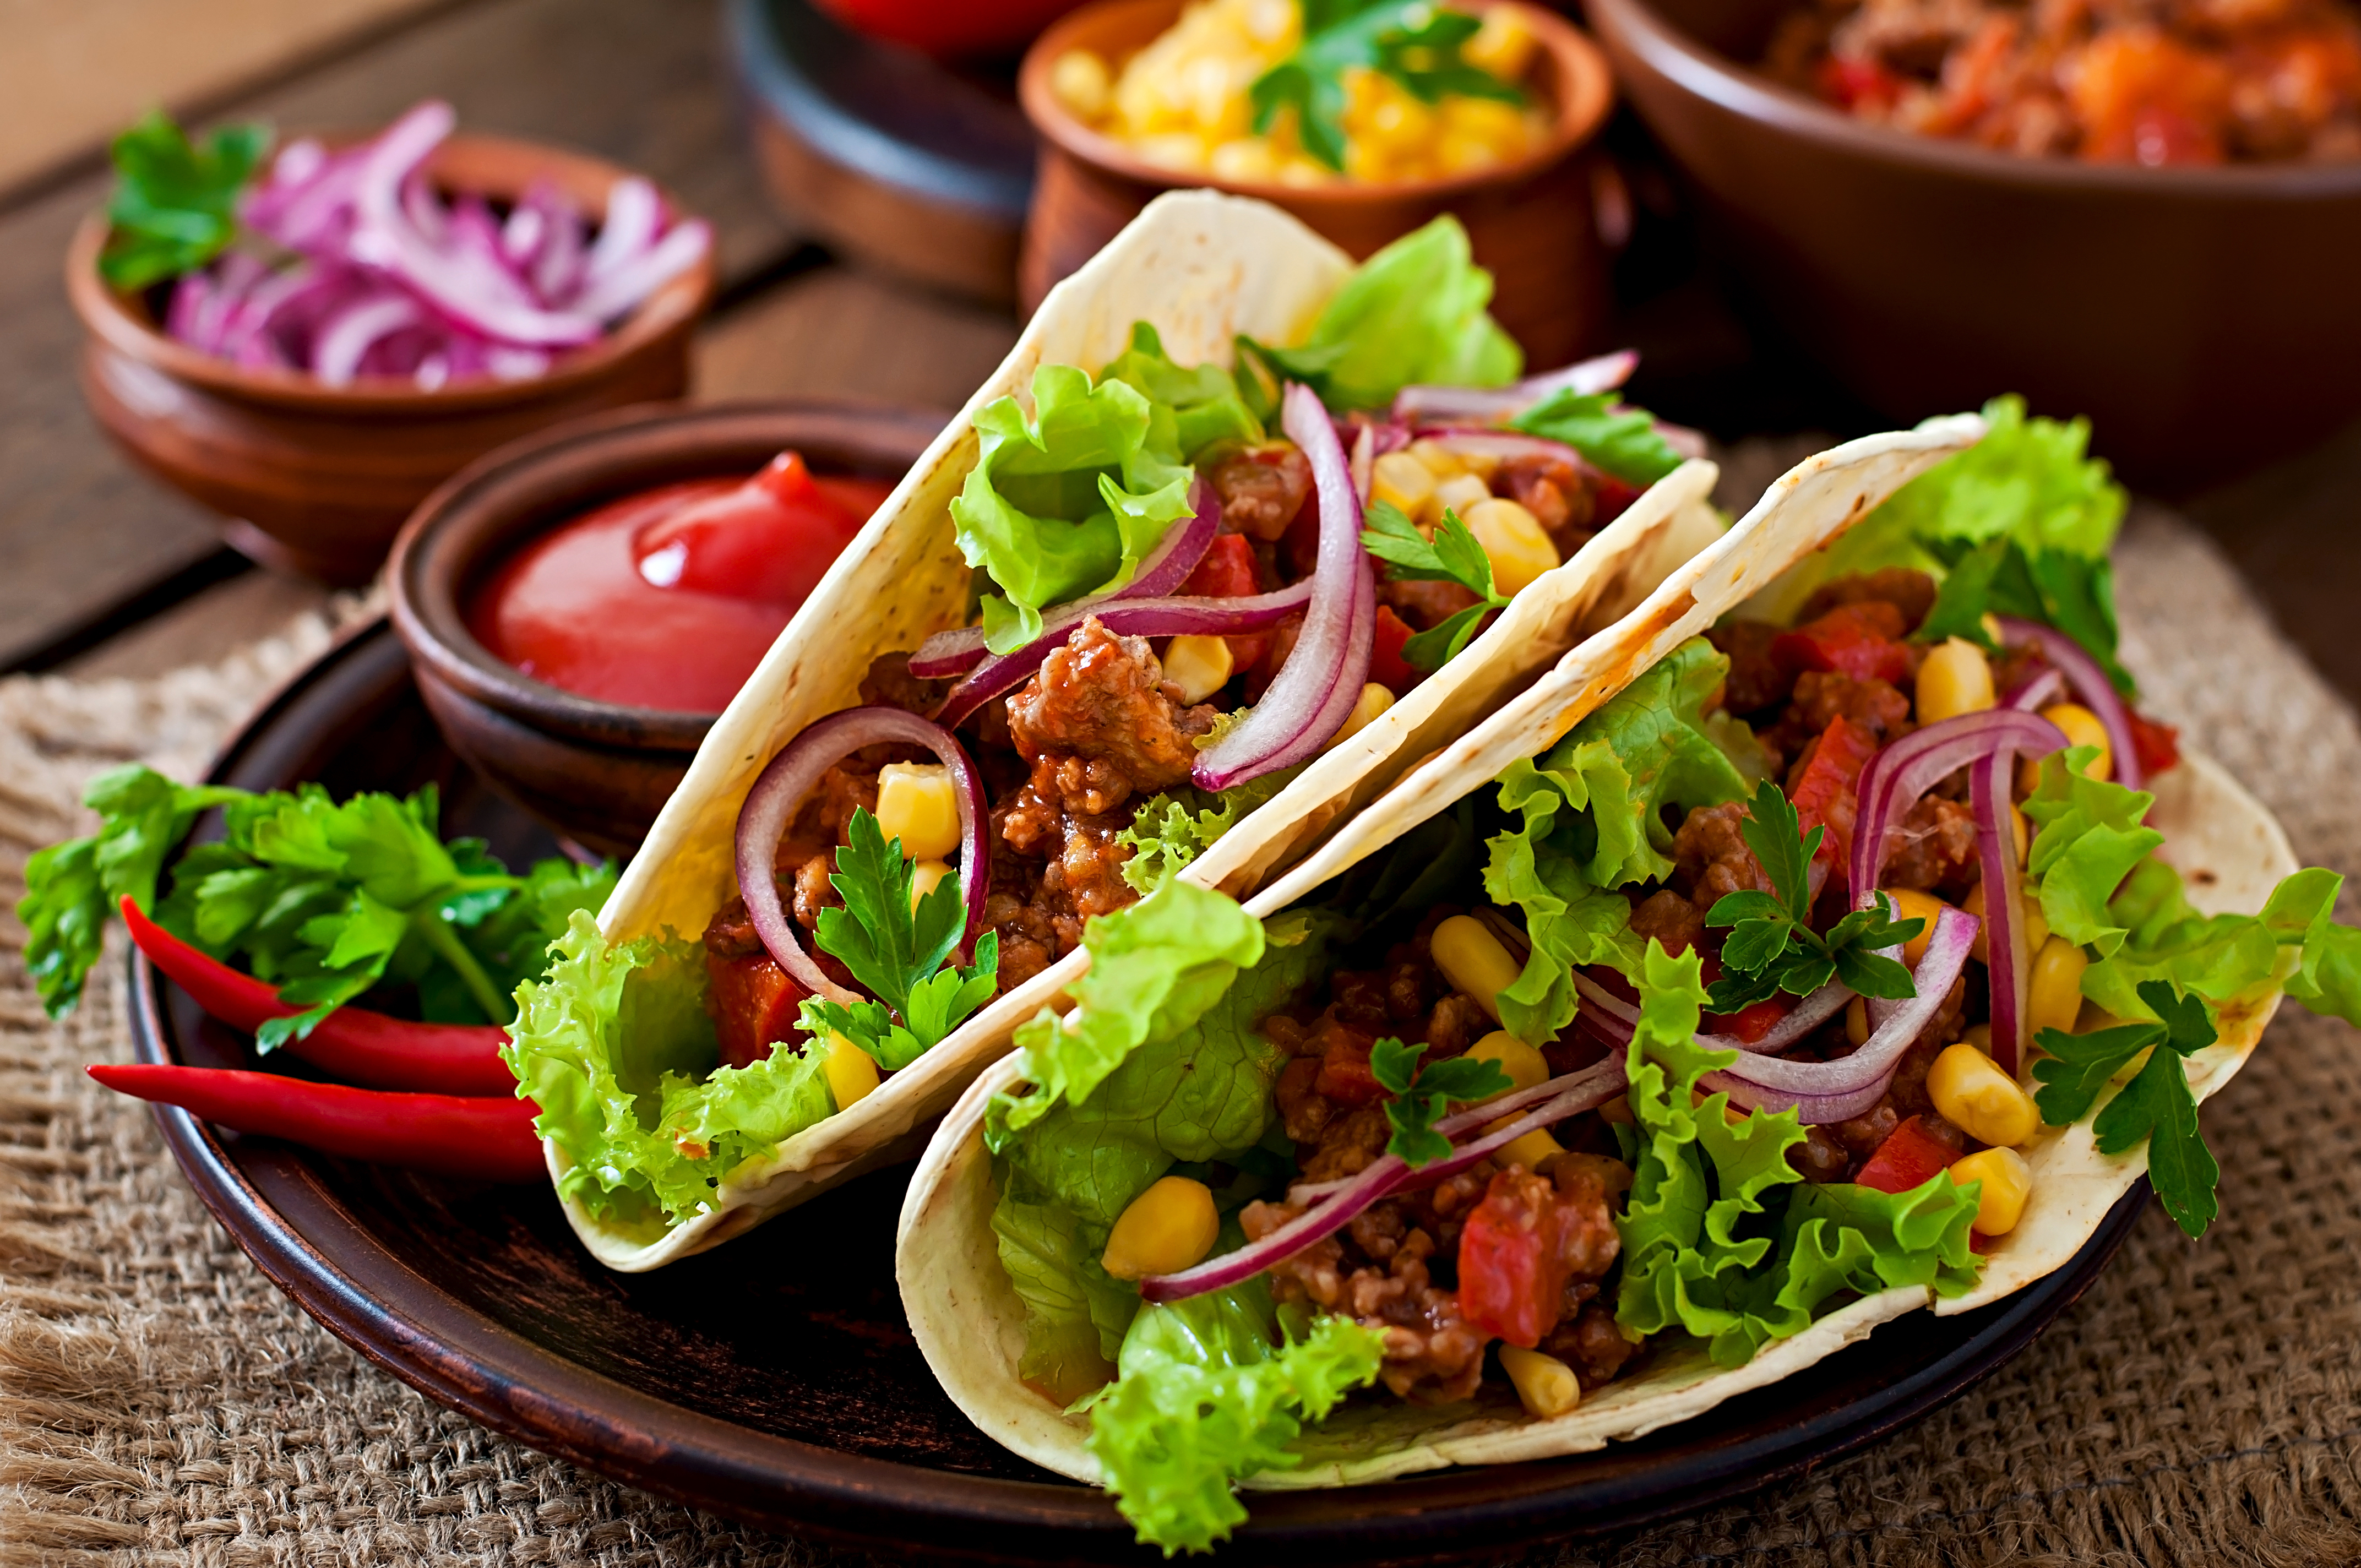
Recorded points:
971,1325
1203,269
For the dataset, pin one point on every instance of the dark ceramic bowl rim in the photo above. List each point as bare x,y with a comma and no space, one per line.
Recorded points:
1570,126
107,315
424,574
1737,90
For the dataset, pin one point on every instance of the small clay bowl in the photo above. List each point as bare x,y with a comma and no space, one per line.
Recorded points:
596,771
315,480
1530,221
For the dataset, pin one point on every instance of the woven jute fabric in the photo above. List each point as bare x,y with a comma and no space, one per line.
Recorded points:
161,1403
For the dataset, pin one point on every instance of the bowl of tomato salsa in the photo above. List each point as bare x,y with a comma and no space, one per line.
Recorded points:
579,607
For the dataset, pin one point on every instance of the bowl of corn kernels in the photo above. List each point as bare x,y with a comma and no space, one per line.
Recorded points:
1365,118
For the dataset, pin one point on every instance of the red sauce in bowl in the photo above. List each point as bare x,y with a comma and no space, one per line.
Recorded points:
670,597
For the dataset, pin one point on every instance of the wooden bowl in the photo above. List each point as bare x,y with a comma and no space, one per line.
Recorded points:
2205,318
596,772
314,479
1530,220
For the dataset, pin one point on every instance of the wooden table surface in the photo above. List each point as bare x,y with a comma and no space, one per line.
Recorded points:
104,571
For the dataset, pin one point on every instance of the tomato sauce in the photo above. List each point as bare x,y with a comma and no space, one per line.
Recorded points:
670,597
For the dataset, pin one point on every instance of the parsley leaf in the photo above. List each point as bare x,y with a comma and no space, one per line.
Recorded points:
1772,947
2154,1107
1453,555
1421,1097
2054,588
1416,43
896,948
175,204
1622,440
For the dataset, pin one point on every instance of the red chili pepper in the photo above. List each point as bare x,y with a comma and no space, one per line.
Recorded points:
368,1047
1512,1267
1863,640
1227,572
455,1134
1386,666
754,1006
1905,1159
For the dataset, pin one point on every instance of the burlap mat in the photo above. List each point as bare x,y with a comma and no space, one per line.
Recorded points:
160,1402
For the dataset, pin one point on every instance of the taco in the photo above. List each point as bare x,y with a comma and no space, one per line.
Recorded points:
1118,624
1647,1046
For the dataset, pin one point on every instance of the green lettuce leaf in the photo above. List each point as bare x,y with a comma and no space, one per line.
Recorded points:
616,1050
1173,828
1068,501
1412,314
1067,1351
1202,405
1622,440
2092,833
1211,1389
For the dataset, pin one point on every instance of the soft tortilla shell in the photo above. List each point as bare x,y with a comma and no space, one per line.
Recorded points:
1203,269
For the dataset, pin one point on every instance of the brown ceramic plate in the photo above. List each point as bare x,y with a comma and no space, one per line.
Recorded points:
774,1380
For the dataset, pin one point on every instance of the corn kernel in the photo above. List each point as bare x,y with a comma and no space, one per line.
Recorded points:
1532,1151
1172,149
1443,462
1856,1017
850,1072
1374,700
2029,915
1246,159
1401,478
1526,1067
1912,905
2083,727
1473,960
1460,492
1956,679
1498,127
1200,666
1079,80
1504,45
2021,833
1616,1109
2007,1183
1513,540
1545,1386
2054,992
1974,1095
1166,1229
1977,1035
924,876
918,803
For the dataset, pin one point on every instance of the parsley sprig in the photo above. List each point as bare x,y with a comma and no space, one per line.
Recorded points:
1772,947
1422,1095
1453,555
175,202
2155,1106
1415,42
897,952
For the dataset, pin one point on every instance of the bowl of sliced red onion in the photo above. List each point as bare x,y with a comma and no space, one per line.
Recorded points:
393,306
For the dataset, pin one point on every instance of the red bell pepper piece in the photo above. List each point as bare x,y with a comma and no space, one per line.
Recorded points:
1345,1075
1512,1267
1824,798
1610,498
1227,572
1386,666
492,1140
1863,640
1905,1159
2158,746
352,1042
1749,1023
754,1003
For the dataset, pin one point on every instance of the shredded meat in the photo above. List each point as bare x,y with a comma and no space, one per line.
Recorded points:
1105,697
1936,848
1424,604
1591,1342
1554,491
731,933
1822,695
1262,486
1759,678
1711,857
1906,588
890,683
1670,918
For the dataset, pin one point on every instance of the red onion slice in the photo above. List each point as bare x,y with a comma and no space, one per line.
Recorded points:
1445,404
1506,444
1164,568
2037,693
1621,1018
2007,960
1323,677
1893,779
1362,463
2091,685
778,793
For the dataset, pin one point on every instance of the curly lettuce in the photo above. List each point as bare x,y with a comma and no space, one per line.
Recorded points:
616,1050
1191,409
1721,1236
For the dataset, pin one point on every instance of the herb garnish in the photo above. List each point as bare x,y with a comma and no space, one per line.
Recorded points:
175,204
1622,440
322,900
897,952
1772,947
1453,555
1421,1096
1414,43
2155,1105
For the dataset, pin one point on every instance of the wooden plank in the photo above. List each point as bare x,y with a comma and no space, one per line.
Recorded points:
638,81
842,333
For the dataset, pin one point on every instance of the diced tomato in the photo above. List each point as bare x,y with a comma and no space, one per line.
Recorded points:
1227,572
1300,545
2158,746
1854,84
1610,497
1863,640
754,1005
1386,666
1512,1266
1749,1023
1823,797
1344,1073
1905,1159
